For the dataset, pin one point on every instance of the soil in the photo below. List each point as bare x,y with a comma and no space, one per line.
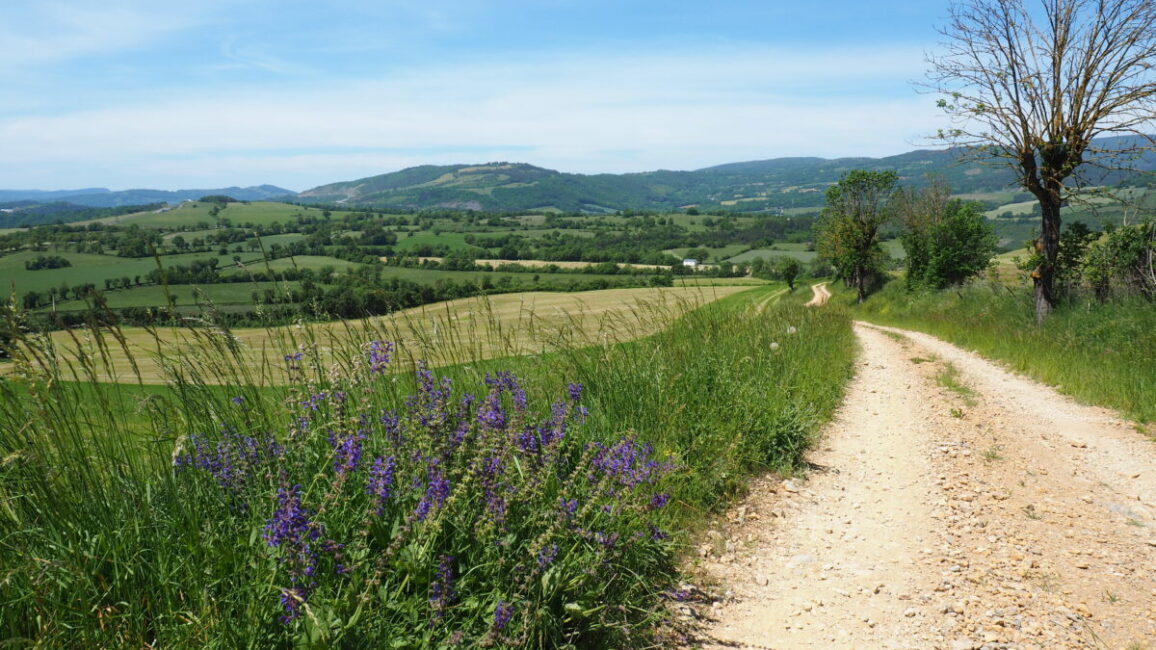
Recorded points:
997,515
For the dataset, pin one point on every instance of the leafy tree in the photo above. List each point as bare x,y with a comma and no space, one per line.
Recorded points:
1127,255
1040,90
848,229
946,240
919,212
788,269
962,246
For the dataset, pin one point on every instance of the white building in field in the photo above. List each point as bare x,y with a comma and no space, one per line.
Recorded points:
690,262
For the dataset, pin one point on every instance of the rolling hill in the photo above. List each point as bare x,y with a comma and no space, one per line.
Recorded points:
774,185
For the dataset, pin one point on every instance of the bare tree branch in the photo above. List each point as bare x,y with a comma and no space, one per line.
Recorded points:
1043,88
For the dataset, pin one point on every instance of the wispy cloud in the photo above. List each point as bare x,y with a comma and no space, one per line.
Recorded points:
583,112
38,32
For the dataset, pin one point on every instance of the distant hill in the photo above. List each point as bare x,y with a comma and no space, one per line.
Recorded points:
103,198
758,185
780,183
762,185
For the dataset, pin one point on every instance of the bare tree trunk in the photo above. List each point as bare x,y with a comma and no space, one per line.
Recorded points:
1048,246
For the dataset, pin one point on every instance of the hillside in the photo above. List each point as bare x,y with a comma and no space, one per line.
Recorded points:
766,185
760,185
776,185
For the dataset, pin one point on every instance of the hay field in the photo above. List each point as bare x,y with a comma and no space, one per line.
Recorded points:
459,331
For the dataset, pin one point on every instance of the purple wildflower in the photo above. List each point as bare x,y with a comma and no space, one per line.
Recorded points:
441,590
491,415
346,452
290,530
431,404
314,401
231,461
547,555
658,501
504,381
392,426
628,463
575,391
381,482
435,495
380,353
502,615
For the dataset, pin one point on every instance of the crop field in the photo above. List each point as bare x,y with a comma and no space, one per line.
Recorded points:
188,214
443,334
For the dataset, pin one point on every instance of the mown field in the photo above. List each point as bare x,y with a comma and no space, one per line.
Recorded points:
442,334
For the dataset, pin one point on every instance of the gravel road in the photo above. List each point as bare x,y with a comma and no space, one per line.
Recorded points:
1007,517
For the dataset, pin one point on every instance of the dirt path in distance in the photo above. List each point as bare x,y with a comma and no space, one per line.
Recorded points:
996,515
821,295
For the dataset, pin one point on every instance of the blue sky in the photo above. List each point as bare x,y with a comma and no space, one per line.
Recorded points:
168,95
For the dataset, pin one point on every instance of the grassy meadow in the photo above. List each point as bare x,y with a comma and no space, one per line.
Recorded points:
531,486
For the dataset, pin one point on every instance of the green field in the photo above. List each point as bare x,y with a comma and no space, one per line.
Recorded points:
716,254
455,240
189,214
231,294
797,251
96,269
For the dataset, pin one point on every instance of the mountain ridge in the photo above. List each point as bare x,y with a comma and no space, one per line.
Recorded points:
775,184
100,197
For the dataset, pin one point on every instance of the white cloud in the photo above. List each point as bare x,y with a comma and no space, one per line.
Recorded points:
607,113
42,32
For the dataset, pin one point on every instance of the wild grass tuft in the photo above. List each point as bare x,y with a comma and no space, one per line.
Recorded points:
949,378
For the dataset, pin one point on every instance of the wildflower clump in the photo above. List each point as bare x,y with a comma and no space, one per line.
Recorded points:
443,517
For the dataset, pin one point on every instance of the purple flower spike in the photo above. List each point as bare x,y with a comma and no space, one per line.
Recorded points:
380,354
502,615
435,495
381,482
441,590
290,530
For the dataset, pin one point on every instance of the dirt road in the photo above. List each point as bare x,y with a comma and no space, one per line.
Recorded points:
998,514
822,295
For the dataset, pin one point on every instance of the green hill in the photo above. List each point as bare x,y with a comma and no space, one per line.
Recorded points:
768,185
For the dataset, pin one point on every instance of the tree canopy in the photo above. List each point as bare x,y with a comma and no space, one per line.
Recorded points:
848,230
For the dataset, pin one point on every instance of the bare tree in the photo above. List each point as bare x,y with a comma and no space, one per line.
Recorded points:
1041,88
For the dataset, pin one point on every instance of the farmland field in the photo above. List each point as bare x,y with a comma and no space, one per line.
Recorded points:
261,213
443,334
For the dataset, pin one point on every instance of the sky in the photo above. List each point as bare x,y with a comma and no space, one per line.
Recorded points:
299,93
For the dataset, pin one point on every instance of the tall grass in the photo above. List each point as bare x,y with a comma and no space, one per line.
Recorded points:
1101,353
528,501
